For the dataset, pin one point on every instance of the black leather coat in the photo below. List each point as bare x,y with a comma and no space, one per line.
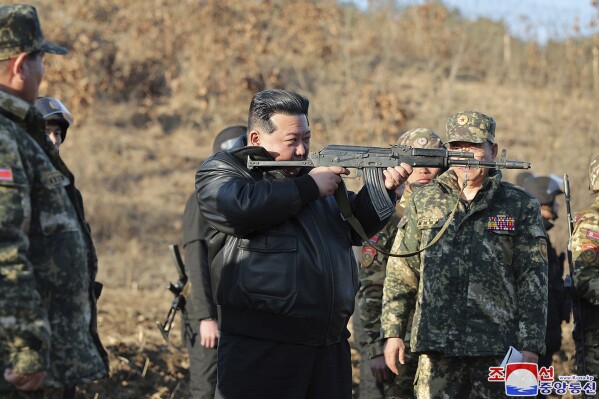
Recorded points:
281,260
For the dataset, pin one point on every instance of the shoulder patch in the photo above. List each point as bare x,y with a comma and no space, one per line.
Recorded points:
368,255
589,252
543,249
592,235
6,174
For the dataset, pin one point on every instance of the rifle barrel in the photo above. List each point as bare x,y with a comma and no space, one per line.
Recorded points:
490,164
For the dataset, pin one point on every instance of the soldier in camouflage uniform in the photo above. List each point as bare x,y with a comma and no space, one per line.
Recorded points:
585,248
481,288
372,274
48,337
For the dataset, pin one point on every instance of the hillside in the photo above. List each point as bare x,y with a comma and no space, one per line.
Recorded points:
151,82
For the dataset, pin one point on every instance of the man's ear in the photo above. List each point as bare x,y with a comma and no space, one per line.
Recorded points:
494,150
254,138
18,67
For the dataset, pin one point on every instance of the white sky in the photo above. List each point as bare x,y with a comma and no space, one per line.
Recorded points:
529,19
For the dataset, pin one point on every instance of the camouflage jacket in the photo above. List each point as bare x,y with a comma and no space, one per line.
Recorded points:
585,248
47,262
483,286
373,268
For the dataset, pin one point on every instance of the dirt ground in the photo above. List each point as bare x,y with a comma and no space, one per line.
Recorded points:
143,365
151,82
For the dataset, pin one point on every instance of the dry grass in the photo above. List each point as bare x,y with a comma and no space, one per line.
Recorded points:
151,82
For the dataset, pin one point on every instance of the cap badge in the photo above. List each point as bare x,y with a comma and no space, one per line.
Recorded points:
422,141
462,120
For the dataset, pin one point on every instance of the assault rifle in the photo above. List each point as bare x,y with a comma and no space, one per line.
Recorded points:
578,333
373,160
181,292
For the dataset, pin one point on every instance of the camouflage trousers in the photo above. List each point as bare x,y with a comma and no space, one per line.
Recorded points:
402,386
591,352
51,393
457,377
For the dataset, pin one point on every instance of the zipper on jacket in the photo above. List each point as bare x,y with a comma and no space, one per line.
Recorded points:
331,279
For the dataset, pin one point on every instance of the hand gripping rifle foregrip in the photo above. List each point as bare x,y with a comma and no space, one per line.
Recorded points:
424,157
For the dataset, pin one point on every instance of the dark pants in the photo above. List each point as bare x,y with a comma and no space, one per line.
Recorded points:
202,365
251,368
50,393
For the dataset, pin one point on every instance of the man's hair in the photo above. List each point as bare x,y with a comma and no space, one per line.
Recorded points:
269,102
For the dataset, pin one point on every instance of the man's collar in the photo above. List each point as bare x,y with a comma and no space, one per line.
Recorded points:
14,105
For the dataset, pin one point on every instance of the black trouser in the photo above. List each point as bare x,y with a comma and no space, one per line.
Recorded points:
251,368
202,365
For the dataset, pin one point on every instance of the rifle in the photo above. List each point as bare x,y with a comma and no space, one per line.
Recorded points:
373,160
578,333
181,292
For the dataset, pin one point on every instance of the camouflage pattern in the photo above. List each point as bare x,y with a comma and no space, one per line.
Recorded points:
471,127
21,32
420,138
483,286
372,276
594,174
585,254
457,377
47,262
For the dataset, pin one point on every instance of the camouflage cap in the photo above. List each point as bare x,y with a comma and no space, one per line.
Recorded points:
225,139
420,138
594,174
471,127
21,32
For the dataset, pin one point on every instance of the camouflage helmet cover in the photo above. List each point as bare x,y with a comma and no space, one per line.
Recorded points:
471,127
21,32
594,174
420,138
225,139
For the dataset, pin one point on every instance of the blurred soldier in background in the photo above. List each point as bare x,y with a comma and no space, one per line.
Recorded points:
58,119
481,287
585,251
48,340
545,189
372,275
201,308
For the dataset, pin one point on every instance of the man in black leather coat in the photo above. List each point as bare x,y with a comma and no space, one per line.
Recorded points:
281,259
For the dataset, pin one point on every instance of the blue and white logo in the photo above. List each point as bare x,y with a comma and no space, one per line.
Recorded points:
521,379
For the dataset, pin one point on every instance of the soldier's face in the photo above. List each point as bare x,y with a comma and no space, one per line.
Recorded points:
483,152
289,142
423,175
54,132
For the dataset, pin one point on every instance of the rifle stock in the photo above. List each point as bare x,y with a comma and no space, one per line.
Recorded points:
373,160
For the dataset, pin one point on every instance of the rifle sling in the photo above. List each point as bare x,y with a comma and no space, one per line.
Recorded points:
347,215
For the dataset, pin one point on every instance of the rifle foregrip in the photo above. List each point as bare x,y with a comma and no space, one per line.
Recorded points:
375,184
